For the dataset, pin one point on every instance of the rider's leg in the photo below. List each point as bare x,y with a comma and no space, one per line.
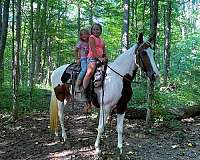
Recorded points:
81,74
77,85
90,71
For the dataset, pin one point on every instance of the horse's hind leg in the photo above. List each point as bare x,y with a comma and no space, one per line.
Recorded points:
120,120
102,122
61,119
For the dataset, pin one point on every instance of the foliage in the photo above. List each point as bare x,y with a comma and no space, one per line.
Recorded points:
60,29
39,102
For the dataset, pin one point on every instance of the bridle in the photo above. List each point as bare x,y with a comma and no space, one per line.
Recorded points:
139,59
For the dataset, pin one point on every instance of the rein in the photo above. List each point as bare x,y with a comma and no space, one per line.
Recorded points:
116,72
134,72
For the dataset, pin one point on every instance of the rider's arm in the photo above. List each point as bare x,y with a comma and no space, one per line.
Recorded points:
104,51
92,46
76,54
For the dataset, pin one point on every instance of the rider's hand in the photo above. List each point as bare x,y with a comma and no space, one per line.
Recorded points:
102,60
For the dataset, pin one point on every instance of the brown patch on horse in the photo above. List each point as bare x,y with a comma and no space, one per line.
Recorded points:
95,101
62,92
126,94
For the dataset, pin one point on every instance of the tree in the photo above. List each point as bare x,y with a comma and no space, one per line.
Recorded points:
16,53
91,12
31,57
125,31
153,31
3,35
154,20
167,32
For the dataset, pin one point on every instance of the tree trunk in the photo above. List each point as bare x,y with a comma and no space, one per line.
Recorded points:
32,56
41,31
136,20
125,31
78,19
38,42
91,12
58,53
132,18
153,29
178,112
154,20
49,60
143,16
16,58
167,30
3,36
184,111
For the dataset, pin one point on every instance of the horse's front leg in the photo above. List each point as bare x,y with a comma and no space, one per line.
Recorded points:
61,119
102,122
120,120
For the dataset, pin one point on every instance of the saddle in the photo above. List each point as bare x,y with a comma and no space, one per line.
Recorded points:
71,73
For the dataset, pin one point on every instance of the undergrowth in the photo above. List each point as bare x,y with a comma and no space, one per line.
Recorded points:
39,101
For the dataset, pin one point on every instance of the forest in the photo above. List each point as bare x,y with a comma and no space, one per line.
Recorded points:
38,36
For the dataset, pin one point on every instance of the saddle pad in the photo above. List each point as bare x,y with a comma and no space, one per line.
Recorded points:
70,72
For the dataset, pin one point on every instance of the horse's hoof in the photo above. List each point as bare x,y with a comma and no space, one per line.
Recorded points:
98,151
120,150
63,139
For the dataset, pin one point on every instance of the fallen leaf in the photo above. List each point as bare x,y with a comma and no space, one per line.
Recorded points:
175,146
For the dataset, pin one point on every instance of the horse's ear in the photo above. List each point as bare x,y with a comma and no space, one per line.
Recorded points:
140,38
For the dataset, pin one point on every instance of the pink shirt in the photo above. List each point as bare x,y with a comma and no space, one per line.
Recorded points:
99,43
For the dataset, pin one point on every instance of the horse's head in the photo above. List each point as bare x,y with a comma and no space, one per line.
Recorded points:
145,59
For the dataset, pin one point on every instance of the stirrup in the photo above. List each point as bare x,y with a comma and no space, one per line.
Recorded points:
77,89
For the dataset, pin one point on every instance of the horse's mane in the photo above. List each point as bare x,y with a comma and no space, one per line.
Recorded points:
124,60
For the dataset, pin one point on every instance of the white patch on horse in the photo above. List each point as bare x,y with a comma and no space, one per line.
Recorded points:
150,55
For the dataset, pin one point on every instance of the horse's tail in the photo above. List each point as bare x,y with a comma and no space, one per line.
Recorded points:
54,113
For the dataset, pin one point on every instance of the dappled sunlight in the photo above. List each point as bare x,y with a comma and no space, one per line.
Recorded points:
62,154
83,117
131,125
1,152
51,143
17,128
72,153
80,117
41,118
94,116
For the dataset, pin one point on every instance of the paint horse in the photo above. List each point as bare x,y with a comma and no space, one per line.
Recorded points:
116,90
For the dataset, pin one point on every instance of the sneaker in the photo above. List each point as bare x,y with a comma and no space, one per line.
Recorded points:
87,108
83,97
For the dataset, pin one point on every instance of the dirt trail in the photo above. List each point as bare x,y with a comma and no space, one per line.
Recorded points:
30,139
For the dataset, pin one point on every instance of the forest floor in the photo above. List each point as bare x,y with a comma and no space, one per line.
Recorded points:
30,139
